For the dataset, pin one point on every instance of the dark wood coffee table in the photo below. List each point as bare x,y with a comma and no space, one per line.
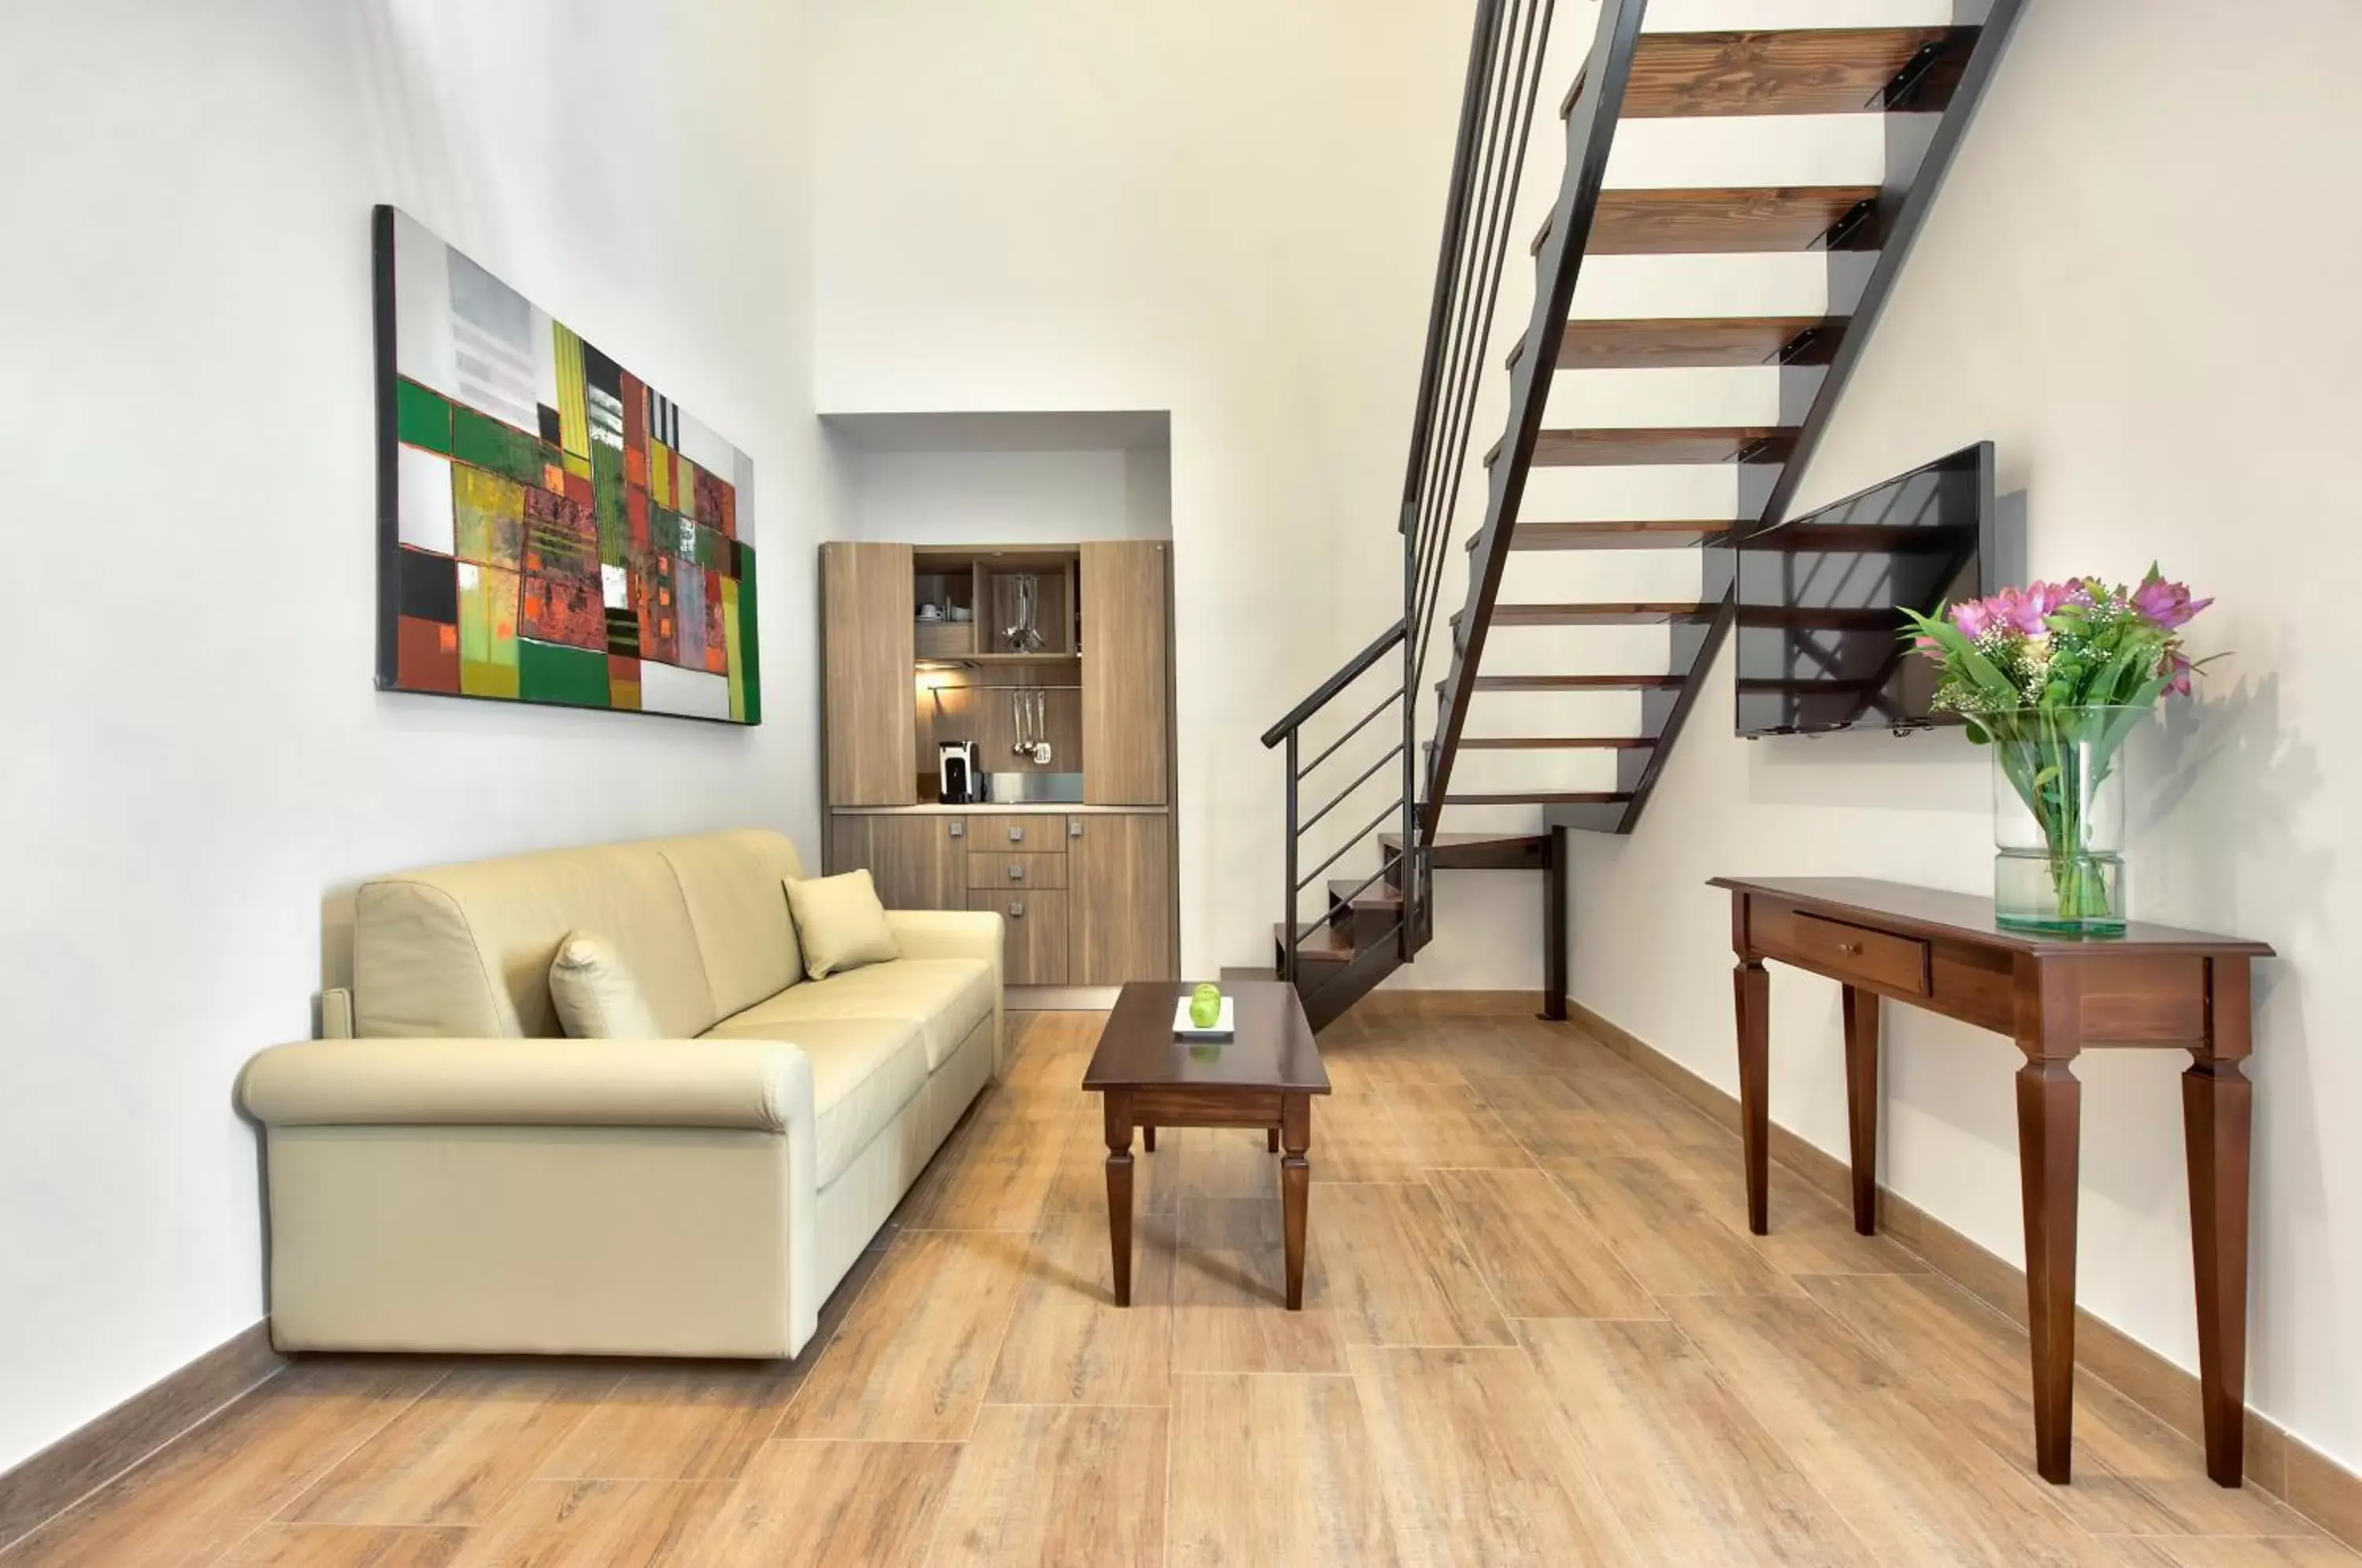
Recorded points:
1264,1076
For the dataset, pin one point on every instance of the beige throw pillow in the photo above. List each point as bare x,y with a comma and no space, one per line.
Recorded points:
595,995
840,923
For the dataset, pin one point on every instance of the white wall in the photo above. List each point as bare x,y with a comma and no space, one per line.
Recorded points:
2134,283
191,755
1225,209
971,493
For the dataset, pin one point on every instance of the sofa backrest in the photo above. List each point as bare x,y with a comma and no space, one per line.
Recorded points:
464,951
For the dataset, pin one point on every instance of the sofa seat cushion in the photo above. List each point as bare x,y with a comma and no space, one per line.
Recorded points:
945,998
865,1070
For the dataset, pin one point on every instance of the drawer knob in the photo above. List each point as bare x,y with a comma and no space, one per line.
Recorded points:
1017,909
1852,949
1017,873
1017,835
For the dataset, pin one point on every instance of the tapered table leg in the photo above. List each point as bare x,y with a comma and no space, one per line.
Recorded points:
1752,990
2049,1126
1118,1108
1295,1187
2216,1111
1861,1104
1148,1138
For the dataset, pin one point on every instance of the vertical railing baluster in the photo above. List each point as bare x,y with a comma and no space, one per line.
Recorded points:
1287,908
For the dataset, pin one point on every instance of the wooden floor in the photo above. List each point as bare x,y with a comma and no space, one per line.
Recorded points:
1535,1332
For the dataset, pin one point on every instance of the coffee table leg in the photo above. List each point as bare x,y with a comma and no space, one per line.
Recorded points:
1271,1139
1118,1179
1148,1137
1295,1185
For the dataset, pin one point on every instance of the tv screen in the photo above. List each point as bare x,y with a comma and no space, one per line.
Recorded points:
1820,643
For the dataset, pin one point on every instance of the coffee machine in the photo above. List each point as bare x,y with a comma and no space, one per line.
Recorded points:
958,782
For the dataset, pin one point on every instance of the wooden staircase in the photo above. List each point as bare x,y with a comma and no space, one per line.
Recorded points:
1923,83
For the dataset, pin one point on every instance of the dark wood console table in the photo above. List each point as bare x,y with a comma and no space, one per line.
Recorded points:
2055,995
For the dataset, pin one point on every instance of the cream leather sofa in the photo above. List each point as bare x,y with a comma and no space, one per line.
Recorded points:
460,1178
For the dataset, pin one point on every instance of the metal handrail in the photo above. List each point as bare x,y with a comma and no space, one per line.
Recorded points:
1341,848
1345,676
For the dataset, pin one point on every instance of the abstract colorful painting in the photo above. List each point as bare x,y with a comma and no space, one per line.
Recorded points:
551,528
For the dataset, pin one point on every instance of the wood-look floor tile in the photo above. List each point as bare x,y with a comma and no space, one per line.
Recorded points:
201,1493
1476,1467
1535,1249
1273,1470
2224,1551
1201,1162
456,1453
2133,1475
1062,1487
1507,1046
912,1361
1811,1231
1658,1231
1067,1342
1451,1125
1548,1115
1365,1067
595,1524
1693,1478
1905,1478
994,1174
1643,1109
830,1505
1389,1264
1353,1139
348,1546
694,1422
1230,1295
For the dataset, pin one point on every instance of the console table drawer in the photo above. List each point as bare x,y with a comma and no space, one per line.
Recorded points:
1874,958
1040,833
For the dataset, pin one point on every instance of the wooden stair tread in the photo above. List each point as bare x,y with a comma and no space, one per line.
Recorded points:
1619,614
1318,939
1555,743
1800,70
1541,798
1651,445
1573,683
1376,896
1642,343
1480,851
1617,535
1721,220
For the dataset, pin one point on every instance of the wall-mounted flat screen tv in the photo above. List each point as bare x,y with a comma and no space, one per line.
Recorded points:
1820,643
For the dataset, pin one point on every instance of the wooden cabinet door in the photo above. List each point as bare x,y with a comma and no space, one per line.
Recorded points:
1033,926
918,862
1125,677
870,702
1120,898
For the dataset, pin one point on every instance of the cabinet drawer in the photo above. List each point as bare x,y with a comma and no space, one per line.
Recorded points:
1042,834
1875,958
1015,872
1033,951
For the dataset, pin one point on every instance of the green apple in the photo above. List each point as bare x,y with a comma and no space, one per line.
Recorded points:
1206,1005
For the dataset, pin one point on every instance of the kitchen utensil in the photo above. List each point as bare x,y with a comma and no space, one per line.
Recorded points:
1025,591
930,613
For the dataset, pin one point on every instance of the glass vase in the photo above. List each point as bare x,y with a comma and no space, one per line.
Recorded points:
2058,817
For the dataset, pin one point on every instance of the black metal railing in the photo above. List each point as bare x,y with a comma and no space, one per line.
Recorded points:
1497,114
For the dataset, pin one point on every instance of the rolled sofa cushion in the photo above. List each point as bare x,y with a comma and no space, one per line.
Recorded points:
840,923
595,995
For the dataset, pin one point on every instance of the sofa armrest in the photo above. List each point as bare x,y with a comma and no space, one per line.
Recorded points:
751,1085
957,934
947,934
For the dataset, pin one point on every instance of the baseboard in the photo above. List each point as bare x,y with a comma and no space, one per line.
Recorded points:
2301,1476
1403,1001
87,1458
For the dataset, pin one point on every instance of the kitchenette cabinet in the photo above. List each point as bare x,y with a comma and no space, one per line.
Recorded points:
1051,666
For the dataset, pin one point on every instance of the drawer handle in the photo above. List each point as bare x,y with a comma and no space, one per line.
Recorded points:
1850,949
1017,835
1017,909
1017,873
